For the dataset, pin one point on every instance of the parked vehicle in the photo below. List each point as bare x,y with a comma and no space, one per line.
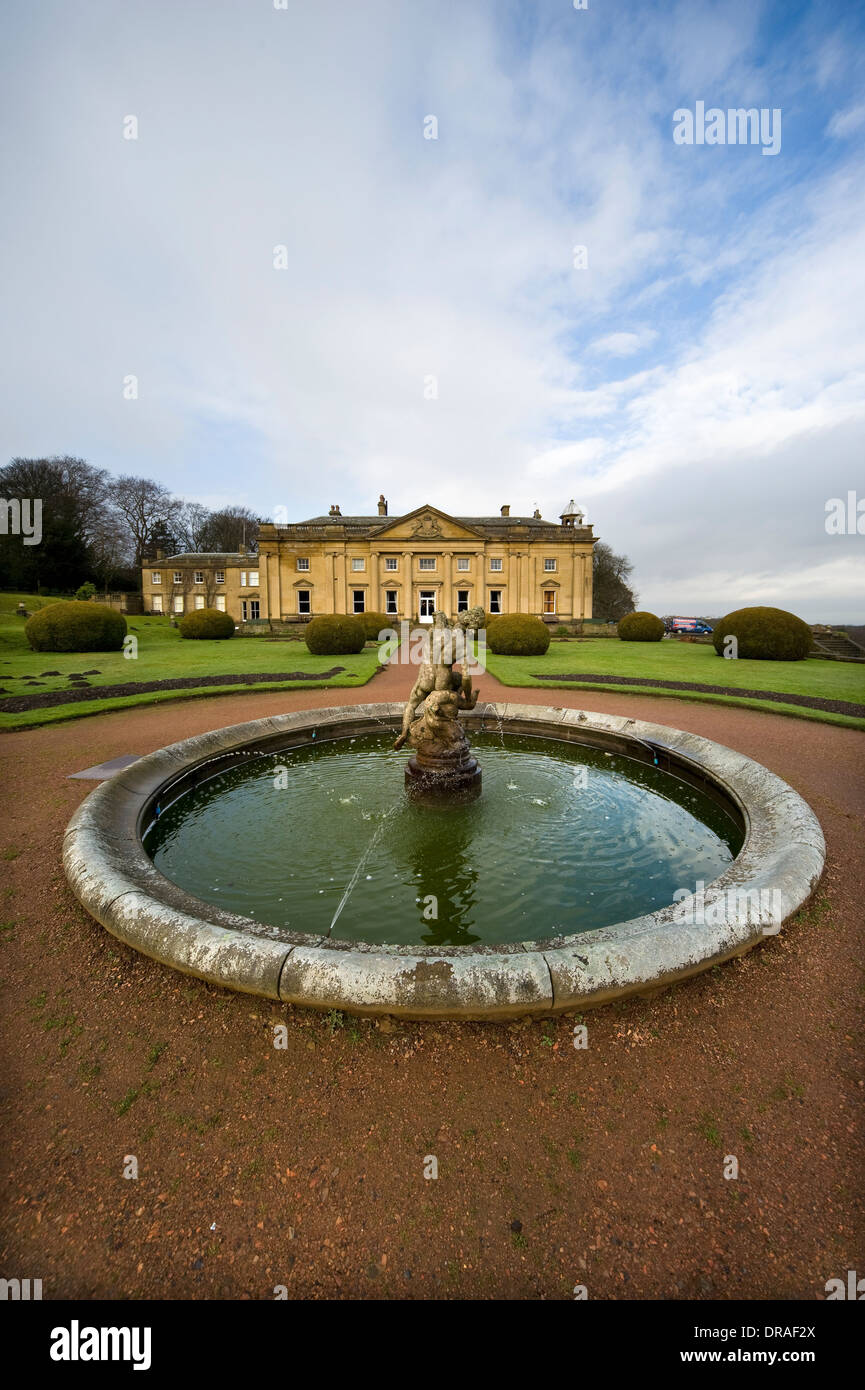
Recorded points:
693,627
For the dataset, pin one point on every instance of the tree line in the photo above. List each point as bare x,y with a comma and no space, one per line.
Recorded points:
99,528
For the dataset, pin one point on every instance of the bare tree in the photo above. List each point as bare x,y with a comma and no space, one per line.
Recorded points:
145,507
227,530
612,595
192,525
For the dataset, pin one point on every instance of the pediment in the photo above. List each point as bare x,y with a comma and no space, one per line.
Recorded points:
425,524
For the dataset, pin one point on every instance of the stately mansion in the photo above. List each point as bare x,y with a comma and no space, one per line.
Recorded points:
403,566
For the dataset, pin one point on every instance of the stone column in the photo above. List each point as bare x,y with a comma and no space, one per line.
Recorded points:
407,588
448,602
576,587
278,613
374,595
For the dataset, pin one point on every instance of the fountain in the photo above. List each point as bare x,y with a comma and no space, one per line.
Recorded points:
278,857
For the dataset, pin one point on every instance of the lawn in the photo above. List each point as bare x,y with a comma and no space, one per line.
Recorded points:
693,662
162,655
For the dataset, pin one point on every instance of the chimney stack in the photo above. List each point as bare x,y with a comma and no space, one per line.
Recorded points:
160,554
382,505
506,511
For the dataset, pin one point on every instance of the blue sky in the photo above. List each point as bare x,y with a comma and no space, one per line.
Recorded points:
698,386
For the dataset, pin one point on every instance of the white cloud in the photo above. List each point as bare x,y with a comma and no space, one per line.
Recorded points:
623,344
845,123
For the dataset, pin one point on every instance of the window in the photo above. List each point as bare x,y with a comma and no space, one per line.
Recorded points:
244,609
156,603
254,609
199,600
390,562
253,579
390,601
219,601
358,563
303,562
550,564
463,562
303,603
462,600
495,600
156,577
199,576
427,562
495,562
249,579
178,603
220,576
549,600
357,600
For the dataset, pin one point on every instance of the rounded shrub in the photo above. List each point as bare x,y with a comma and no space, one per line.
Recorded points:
640,627
518,634
335,634
206,624
76,627
374,623
763,634
85,592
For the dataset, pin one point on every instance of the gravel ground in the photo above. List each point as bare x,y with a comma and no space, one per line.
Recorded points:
304,1166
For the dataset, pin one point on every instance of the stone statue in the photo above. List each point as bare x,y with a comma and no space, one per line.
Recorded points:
442,761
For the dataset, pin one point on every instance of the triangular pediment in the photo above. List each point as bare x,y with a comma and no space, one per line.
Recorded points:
425,524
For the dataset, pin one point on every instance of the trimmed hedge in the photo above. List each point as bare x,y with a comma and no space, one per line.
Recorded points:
640,627
518,634
335,634
374,623
764,634
206,624
75,627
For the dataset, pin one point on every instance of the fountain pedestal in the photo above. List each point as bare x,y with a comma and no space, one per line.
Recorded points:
443,773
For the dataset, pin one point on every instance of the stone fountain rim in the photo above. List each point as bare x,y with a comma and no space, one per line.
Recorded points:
115,880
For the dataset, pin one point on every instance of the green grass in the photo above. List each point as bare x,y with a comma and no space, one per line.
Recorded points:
162,655
688,661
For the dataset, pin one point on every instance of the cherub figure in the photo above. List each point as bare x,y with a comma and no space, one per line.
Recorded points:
437,674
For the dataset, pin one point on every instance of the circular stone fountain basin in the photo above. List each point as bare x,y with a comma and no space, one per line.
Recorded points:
282,857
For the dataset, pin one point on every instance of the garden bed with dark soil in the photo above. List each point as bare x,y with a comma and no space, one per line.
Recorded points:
778,697
19,704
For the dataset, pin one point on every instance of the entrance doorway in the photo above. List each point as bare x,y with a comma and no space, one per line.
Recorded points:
426,605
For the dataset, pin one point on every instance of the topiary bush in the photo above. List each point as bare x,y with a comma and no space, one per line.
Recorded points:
764,634
518,634
206,624
335,634
374,623
75,627
640,627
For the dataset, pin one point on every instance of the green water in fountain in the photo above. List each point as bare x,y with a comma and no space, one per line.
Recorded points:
563,839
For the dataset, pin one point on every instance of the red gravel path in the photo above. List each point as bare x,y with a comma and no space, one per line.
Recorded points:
556,1166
